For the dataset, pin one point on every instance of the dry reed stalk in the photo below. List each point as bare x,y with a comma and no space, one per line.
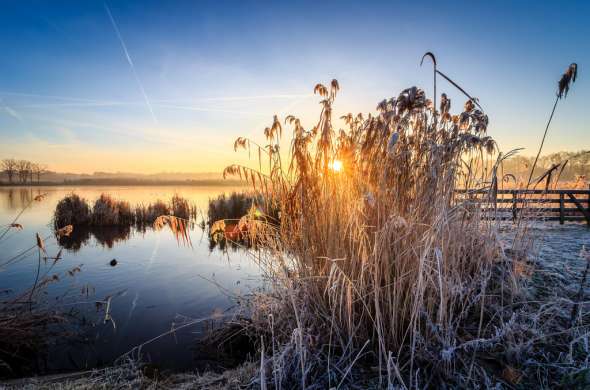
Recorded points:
384,250
384,257
178,227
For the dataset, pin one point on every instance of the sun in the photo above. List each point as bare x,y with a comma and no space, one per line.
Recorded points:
336,166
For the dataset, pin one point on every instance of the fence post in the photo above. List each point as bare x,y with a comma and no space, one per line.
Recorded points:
561,204
514,205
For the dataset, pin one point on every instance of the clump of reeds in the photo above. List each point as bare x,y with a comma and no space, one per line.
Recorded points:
108,211
180,207
72,210
381,265
230,207
232,219
148,214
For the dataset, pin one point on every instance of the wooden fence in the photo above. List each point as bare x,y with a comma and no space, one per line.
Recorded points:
550,205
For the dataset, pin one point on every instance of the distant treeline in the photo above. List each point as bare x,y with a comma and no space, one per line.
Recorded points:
128,182
15,172
576,168
22,171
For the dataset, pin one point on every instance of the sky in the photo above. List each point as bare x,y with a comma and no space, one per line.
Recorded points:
153,86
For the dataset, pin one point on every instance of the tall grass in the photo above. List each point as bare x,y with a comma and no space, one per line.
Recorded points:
381,269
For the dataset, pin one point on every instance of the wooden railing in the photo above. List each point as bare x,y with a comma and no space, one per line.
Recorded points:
551,205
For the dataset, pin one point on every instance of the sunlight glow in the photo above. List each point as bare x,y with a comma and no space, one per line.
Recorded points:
336,166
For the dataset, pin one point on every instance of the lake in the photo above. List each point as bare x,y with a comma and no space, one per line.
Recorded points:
155,284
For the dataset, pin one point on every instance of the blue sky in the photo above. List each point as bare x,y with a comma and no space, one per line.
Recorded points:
180,80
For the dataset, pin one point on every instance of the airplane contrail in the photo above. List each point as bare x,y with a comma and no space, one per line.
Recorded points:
142,133
130,61
126,104
79,104
207,109
36,95
10,111
256,97
13,113
154,102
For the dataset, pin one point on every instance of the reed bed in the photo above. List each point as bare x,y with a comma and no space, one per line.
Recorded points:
230,207
181,208
148,214
110,212
72,210
380,275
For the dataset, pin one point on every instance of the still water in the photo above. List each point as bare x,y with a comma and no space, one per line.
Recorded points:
155,285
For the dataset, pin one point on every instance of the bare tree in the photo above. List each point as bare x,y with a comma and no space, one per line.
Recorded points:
38,170
9,167
23,168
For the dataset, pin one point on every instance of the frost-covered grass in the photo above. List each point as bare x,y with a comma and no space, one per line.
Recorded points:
133,375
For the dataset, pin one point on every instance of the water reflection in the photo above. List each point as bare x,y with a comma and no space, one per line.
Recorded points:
17,198
223,244
106,236
109,236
